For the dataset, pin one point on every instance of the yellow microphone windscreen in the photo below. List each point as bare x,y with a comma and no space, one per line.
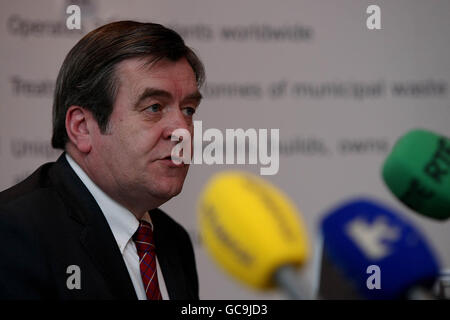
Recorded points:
250,227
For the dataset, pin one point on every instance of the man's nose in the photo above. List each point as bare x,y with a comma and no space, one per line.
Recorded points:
175,120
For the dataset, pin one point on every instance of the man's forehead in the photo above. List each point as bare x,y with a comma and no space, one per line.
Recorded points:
137,74
146,67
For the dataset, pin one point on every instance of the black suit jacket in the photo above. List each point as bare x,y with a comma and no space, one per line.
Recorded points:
51,221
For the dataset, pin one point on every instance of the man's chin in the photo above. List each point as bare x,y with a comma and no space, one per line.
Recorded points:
166,192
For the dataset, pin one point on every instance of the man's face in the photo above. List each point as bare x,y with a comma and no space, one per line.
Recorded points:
133,157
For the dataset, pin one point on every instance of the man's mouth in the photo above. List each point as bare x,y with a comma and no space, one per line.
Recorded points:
173,161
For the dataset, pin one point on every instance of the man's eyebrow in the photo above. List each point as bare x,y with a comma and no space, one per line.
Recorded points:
151,93
195,96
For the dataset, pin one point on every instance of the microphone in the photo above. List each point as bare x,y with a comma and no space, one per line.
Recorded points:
254,232
417,171
378,254
442,286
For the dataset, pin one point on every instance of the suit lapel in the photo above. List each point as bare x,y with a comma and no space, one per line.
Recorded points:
169,258
96,237
102,248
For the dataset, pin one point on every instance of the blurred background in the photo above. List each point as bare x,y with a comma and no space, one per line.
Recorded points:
340,93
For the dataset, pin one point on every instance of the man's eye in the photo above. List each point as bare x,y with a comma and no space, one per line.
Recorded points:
189,111
154,108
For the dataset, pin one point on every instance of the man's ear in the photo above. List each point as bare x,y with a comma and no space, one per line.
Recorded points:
77,128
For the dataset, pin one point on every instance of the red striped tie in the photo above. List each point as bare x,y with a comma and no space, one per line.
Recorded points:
143,239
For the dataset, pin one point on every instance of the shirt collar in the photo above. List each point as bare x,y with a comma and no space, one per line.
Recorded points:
123,223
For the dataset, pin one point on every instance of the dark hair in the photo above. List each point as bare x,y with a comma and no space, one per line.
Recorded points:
87,75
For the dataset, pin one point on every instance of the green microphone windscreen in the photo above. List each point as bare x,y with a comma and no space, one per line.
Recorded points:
417,171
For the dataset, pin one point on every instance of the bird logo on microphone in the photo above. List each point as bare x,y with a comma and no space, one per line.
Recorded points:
372,238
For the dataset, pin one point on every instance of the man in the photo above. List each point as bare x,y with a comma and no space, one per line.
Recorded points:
88,226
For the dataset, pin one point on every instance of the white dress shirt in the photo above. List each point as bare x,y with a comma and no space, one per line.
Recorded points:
123,225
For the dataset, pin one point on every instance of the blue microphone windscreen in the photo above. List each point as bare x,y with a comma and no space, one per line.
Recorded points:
361,235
